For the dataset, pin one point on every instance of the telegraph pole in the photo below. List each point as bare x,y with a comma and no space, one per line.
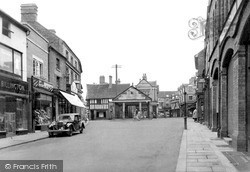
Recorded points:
116,75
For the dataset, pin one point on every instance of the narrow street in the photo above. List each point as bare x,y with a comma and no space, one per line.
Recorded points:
110,145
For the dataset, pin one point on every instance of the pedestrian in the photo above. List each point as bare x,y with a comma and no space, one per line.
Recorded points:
136,115
195,115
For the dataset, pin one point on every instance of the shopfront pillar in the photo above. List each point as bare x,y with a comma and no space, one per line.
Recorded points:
223,104
95,112
213,106
140,106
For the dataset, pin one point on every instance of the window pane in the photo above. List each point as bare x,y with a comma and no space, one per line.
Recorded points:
17,63
5,28
6,59
41,69
34,67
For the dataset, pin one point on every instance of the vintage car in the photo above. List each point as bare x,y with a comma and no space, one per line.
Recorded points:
67,123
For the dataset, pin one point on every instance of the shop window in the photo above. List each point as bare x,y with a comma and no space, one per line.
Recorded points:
10,60
6,28
13,116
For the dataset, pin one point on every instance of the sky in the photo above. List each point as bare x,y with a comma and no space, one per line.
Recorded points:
141,36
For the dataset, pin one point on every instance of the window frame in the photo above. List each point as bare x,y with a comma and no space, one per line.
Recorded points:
13,52
6,28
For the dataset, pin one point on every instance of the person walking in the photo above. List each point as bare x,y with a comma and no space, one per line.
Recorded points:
195,115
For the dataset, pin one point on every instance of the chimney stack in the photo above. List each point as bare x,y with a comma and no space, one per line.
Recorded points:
28,12
110,81
102,79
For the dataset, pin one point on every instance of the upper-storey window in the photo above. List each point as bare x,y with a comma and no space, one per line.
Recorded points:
71,60
67,54
10,60
6,28
57,64
37,67
76,64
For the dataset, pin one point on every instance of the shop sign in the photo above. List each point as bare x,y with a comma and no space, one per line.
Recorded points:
13,85
42,84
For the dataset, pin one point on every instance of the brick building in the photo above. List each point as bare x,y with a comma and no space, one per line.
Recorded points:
227,70
39,85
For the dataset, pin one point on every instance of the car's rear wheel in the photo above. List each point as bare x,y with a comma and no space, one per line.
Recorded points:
81,130
51,134
70,132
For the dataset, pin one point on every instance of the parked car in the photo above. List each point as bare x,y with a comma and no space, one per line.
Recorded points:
67,123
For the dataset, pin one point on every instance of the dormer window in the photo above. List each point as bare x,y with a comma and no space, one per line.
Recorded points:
6,28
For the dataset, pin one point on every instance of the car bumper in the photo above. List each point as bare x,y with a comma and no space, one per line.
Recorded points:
58,131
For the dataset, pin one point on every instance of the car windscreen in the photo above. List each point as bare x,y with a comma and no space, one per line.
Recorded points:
65,117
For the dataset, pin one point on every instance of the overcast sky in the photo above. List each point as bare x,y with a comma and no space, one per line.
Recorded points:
142,36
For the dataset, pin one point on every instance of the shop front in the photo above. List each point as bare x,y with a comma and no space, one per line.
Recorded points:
69,103
14,116
42,103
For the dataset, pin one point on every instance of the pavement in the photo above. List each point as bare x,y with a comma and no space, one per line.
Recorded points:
202,150
22,139
26,138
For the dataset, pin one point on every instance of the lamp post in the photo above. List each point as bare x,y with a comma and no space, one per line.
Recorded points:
185,110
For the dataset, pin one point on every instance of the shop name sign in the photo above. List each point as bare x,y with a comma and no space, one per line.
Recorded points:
13,85
42,84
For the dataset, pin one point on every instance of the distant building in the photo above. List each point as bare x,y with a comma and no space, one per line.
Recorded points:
151,89
99,98
187,97
164,100
200,67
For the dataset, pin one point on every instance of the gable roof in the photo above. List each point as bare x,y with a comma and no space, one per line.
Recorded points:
101,91
132,87
54,40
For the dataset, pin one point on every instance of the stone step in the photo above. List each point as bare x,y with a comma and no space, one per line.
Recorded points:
228,140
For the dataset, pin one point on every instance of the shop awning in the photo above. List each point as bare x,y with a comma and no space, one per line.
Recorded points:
73,99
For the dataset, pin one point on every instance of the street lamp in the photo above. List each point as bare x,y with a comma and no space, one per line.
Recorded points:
185,110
